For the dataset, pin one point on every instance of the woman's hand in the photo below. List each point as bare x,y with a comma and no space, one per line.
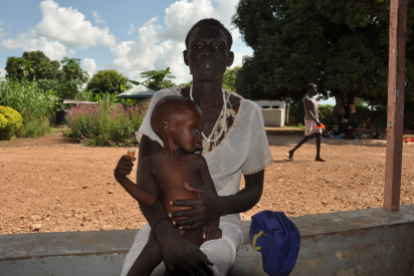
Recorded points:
203,210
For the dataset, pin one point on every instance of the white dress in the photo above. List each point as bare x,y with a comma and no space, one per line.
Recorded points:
244,149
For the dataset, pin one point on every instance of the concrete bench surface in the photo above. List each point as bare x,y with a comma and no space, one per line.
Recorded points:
337,235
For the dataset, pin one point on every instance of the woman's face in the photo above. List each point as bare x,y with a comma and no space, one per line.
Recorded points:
208,55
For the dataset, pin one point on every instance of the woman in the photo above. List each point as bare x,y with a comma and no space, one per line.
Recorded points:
234,143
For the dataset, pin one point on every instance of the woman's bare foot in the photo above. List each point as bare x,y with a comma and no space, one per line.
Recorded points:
319,159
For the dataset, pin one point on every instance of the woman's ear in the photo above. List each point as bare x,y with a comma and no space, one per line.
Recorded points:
185,56
231,59
166,127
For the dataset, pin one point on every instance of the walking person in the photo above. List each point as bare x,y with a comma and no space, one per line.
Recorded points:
312,124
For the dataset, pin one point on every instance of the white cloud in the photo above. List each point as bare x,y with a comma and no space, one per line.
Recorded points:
157,47
31,42
2,74
181,15
60,28
238,60
131,29
97,17
70,27
2,31
89,65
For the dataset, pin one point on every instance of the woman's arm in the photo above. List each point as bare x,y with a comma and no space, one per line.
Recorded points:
178,253
210,206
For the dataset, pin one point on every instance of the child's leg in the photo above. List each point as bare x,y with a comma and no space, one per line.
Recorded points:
147,261
194,236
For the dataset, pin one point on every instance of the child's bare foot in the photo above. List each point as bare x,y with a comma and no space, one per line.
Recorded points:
290,155
319,159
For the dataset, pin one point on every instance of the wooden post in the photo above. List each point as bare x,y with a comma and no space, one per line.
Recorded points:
396,79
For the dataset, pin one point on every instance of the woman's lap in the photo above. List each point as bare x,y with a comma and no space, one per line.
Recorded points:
222,252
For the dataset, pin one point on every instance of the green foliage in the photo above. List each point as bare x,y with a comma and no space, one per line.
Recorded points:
229,79
18,68
326,113
106,125
36,67
44,68
32,103
340,45
297,109
157,80
35,127
74,78
10,122
189,84
47,85
108,81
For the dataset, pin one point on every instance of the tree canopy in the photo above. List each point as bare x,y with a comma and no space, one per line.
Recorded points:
157,80
107,81
229,79
74,77
36,67
341,45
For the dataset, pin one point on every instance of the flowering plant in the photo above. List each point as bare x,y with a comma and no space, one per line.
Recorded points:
103,125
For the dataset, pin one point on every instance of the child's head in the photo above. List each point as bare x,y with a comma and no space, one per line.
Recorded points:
180,120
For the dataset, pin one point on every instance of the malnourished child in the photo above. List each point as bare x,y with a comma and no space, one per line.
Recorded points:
178,122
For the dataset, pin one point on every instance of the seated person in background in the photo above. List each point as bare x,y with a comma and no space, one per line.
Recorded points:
178,122
368,122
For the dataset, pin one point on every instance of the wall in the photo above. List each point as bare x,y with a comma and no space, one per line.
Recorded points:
273,117
362,242
271,104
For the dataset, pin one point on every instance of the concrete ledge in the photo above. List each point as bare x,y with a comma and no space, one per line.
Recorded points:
362,242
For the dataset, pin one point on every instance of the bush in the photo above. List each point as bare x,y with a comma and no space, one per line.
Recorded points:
10,122
31,102
104,125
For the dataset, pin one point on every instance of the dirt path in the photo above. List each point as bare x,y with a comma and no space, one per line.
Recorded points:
63,186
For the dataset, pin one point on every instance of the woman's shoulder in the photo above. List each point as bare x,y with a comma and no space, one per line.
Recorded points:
166,92
247,106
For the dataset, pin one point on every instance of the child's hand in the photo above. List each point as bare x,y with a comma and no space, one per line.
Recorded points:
124,166
211,232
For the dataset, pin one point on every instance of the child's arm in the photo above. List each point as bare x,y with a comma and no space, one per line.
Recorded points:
146,193
211,230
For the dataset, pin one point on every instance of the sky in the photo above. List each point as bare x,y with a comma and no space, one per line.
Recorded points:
128,36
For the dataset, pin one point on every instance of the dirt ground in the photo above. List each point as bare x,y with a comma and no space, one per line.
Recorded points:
51,184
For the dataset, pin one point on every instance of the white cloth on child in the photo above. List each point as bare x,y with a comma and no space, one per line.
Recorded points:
245,149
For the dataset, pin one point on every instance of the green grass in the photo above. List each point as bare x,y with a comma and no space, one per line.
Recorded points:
32,103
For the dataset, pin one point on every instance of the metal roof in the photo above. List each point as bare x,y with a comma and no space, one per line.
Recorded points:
137,92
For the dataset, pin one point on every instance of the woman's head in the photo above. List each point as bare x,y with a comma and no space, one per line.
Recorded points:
208,52
209,22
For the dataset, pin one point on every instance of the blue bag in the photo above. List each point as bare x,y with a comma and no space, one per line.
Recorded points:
278,240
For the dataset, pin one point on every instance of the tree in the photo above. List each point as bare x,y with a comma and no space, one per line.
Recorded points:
74,77
107,81
18,68
44,68
229,78
157,80
340,45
